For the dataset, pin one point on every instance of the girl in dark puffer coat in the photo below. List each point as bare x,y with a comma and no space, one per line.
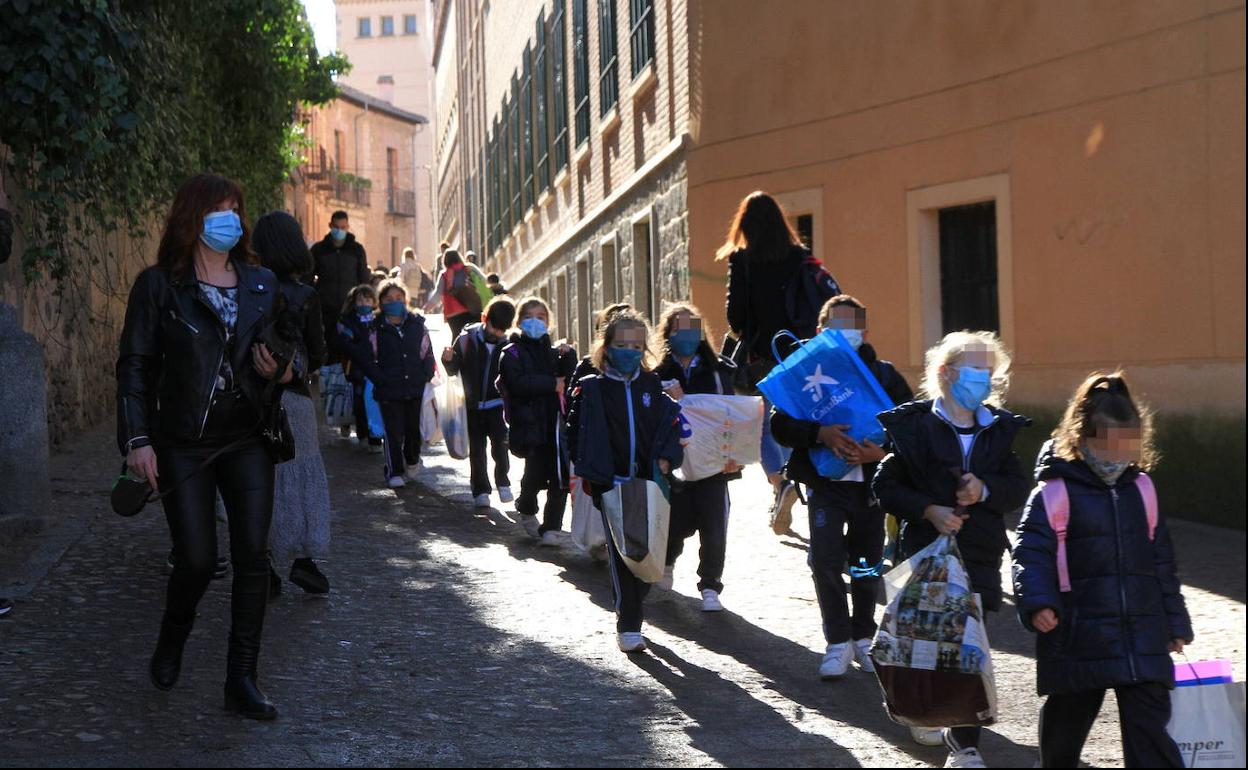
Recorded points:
1122,612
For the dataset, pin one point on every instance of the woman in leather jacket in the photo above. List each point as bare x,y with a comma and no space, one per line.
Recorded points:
193,385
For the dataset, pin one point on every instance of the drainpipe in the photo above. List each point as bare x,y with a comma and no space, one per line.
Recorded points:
356,129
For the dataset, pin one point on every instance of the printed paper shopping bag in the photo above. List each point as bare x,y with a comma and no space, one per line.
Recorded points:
931,651
1207,722
336,393
825,381
723,429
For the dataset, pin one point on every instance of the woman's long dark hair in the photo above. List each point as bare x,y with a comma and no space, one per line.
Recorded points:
760,227
196,198
278,239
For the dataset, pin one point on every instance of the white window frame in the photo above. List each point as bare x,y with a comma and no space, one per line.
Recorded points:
923,207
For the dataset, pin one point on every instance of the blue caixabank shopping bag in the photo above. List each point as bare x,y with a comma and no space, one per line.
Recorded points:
825,381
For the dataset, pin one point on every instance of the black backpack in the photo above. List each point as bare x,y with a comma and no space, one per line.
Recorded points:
805,296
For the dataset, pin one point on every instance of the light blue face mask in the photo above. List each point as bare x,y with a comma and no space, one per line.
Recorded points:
624,360
852,336
972,388
222,231
337,234
533,328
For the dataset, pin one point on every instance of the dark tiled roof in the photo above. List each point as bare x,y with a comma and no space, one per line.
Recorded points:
358,97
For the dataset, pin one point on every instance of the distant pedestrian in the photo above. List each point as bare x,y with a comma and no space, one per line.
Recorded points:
474,356
199,310
1107,609
338,264
691,365
774,284
623,426
300,531
495,283
953,471
354,321
461,304
533,376
397,356
412,275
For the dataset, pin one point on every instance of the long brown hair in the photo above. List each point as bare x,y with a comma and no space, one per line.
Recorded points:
196,198
625,319
761,226
1104,399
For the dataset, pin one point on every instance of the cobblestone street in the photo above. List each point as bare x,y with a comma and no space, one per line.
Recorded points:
450,638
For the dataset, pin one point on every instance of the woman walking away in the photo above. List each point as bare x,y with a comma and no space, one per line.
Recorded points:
1107,607
300,531
448,289
533,377
774,284
953,471
689,365
357,314
193,387
397,356
623,426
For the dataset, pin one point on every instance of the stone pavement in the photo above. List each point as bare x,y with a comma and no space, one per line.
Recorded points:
451,639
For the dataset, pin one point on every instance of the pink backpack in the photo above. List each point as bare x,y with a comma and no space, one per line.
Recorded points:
1057,506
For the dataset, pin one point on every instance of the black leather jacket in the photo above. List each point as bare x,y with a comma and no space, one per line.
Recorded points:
171,351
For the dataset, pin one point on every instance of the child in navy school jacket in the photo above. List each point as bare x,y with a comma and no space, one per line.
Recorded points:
475,356
533,378
1122,612
846,521
623,426
357,313
397,356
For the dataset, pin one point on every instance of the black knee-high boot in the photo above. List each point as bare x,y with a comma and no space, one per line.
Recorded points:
250,596
186,587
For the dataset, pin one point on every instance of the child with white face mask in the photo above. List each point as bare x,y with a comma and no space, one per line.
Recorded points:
953,470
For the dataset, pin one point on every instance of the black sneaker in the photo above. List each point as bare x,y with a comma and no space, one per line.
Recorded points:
6,606
305,574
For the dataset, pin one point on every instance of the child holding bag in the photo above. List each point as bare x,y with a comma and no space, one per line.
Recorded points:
953,470
1095,578
623,426
533,376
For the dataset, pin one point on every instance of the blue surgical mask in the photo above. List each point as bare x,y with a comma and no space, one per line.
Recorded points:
363,311
222,230
685,342
337,234
395,308
972,388
624,360
533,328
852,336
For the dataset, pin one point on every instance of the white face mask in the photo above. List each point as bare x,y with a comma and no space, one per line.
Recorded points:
852,336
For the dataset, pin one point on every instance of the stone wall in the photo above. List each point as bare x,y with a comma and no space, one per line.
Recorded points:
663,196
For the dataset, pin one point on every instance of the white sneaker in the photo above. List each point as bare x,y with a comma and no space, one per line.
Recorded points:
412,472
529,522
710,601
396,482
862,648
481,501
550,539
835,661
504,495
632,641
965,758
668,580
928,736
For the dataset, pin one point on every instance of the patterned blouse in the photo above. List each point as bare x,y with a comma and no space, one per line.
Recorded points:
225,302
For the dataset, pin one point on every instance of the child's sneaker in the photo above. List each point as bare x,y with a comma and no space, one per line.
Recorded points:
412,472
710,601
504,495
928,736
782,508
529,522
835,661
965,758
862,648
550,539
481,501
632,641
396,482
599,553
668,581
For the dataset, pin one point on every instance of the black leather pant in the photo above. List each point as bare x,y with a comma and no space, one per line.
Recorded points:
244,475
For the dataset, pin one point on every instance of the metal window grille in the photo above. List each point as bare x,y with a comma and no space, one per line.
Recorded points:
517,149
641,36
540,96
559,85
580,67
968,268
608,58
526,124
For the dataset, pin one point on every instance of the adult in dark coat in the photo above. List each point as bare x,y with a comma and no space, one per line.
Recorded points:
339,264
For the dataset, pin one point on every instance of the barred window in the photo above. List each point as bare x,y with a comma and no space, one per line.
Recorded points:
642,35
541,138
580,67
517,149
608,58
559,85
526,123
